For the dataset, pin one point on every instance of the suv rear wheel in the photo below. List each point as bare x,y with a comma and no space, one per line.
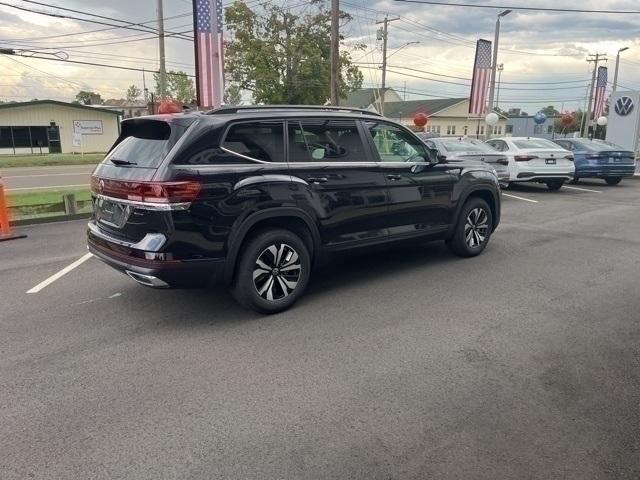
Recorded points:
474,228
273,271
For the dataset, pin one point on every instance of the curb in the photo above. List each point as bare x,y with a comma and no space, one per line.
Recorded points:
56,218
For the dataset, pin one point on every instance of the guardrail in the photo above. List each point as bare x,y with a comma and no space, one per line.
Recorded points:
68,208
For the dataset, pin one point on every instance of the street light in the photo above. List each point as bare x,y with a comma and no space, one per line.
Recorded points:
405,45
615,75
494,63
500,69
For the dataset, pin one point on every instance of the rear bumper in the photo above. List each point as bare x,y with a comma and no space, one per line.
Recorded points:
154,273
543,177
601,171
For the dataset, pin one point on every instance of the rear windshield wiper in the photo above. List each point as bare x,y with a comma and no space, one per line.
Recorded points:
116,161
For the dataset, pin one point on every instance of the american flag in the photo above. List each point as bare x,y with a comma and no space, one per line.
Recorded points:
601,87
207,19
481,76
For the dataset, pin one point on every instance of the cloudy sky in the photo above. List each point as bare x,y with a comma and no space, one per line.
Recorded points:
543,52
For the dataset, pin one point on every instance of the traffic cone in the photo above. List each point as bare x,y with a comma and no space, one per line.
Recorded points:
5,227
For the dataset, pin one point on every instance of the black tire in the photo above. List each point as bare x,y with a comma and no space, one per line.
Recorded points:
575,180
613,180
555,185
257,252
459,243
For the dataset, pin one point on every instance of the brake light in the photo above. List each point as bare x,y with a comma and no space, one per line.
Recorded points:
147,192
524,158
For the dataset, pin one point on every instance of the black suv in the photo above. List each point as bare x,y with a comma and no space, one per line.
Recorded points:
255,196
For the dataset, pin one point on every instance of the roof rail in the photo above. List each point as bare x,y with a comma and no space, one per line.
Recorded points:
240,108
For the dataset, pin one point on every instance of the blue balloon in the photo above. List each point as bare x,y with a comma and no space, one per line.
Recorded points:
539,118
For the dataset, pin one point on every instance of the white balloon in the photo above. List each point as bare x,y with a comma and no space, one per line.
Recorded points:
492,119
602,121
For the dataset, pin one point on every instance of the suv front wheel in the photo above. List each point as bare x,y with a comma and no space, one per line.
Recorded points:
273,271
473,230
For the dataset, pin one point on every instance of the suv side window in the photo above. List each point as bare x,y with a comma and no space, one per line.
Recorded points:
324,140
263,141
394,144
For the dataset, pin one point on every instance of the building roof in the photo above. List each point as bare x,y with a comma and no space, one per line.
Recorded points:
410,107
58,103
363,97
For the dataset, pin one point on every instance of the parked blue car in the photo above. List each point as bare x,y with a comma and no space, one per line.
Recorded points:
599,159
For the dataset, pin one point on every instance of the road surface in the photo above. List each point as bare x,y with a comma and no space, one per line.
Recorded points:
45,178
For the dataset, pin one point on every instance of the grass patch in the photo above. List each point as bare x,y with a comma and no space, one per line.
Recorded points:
9,161
39,197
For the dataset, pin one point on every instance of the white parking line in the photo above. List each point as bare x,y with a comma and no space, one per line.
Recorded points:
581,189
60,274
42,188
519,198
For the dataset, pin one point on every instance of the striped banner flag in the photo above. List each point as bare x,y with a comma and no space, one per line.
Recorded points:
481,77
601,88
209,54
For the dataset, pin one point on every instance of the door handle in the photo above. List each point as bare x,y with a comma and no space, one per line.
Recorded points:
317,179
393,176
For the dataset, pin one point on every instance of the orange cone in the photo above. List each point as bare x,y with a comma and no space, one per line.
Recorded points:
5,226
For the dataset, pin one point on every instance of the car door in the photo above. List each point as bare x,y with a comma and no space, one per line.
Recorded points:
337,181
420,192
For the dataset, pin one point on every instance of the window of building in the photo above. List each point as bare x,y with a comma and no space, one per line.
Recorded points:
538,129
451,129
466,130
481,129
6,141
508,129
550,129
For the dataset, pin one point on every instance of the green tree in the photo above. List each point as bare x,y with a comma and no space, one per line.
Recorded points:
86,97
179,86
232,95
133,93
550,111
281,57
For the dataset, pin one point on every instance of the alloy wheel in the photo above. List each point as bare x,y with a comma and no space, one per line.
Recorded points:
277,271
476,227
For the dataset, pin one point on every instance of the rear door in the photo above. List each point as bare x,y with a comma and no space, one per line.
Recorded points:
420,193
337,181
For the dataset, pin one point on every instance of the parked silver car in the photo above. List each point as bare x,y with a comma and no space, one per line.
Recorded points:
454,149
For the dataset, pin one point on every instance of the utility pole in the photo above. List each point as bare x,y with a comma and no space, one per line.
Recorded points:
494,61
615,75
500,69
163,69
382,35
335,51
595,58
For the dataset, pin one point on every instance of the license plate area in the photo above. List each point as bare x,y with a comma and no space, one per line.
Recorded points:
111,213
550,161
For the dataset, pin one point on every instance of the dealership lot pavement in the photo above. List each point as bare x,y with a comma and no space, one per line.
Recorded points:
411,363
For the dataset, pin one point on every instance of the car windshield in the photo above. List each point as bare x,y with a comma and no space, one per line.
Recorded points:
464,146
535,143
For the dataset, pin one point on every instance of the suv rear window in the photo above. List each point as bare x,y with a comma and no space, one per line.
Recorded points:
146,142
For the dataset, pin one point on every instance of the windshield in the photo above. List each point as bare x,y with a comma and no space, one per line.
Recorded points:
465,146
144,143
535,143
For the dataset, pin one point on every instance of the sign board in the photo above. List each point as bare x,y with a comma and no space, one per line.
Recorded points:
623,123
88,127
77,139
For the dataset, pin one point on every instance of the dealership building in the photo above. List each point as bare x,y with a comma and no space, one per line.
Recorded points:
49,126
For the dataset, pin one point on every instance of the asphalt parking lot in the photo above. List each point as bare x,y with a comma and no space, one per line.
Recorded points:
402,364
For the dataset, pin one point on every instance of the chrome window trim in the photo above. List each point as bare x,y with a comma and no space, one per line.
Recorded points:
164,207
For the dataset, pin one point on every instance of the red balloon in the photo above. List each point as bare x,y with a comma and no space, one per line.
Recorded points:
169,106
567,119
420,119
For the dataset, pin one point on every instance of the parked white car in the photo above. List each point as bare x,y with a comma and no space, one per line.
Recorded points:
536,160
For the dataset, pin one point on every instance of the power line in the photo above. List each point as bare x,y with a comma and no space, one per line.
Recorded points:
69,17
515,7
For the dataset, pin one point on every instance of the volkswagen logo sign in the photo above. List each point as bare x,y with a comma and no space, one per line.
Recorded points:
624,106
101,186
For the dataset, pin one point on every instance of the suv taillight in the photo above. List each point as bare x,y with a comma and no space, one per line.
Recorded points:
524,158
147,192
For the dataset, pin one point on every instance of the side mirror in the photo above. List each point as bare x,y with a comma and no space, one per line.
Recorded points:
317,154
433,155
442,158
